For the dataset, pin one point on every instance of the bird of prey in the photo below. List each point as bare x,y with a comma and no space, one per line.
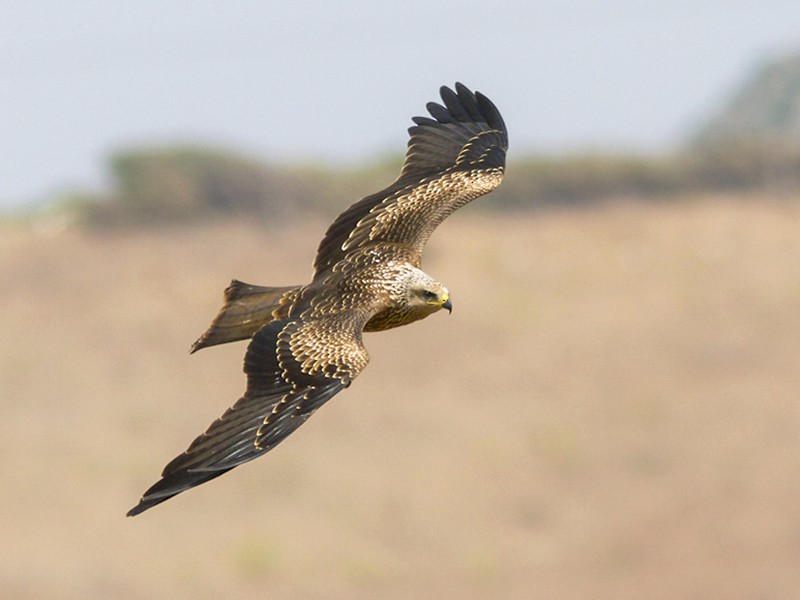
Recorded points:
306,341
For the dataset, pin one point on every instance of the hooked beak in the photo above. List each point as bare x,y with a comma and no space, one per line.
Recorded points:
448,305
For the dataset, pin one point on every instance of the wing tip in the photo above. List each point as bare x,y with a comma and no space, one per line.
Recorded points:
156,494
436,141
146,503
172,484
464,105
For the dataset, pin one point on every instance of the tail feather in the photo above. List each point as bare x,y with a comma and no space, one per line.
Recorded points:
247,308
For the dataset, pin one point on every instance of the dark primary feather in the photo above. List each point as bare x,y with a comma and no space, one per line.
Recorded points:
279,398
435,143
466,123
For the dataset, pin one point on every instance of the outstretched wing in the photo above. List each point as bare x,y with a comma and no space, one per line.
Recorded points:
451,159
293,367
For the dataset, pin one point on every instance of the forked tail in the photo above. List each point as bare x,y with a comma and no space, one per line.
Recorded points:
247,308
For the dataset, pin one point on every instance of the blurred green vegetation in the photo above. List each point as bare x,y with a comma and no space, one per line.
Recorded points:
183,184
168,184
765,107
584,178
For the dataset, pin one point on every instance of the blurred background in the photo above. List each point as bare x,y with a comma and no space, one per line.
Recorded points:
610,412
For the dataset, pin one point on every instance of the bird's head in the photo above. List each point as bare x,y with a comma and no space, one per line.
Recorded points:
425,296
431,297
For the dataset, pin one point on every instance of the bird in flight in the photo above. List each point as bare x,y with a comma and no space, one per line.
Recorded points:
306,341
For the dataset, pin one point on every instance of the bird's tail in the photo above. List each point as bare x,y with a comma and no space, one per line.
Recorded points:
247,308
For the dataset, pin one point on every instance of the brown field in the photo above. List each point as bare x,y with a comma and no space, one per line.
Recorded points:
611,412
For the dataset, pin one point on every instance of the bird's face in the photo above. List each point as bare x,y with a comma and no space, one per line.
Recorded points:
417,294
430,296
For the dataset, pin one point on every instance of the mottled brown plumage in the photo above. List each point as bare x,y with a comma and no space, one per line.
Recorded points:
307,340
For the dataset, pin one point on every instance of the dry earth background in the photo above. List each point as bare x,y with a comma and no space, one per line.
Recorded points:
610,412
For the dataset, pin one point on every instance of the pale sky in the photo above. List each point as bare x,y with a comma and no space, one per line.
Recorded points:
339,81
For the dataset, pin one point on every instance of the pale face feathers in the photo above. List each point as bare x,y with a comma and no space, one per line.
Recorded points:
422,294
433,297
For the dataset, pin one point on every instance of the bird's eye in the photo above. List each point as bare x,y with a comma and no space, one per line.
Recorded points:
429,295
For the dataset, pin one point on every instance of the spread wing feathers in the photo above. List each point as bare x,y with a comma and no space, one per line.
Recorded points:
293,368
467,121
247,308
452,158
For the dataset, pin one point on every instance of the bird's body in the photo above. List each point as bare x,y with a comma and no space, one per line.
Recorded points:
307,340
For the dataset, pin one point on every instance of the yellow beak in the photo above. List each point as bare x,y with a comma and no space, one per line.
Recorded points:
447,304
